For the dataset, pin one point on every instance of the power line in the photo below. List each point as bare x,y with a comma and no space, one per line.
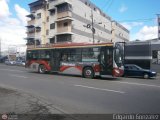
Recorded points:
138,20
105,5
109,5
134,20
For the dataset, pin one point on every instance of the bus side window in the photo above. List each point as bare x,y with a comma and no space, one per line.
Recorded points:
64,57
102,61
35,55
47,54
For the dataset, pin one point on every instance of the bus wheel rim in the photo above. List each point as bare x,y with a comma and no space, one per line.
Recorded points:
88,72
42,69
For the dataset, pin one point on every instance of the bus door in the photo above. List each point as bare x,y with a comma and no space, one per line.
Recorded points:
106,61
55,61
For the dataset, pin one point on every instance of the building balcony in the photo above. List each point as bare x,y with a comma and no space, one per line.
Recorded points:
30,26
64,27
64,15
30,35
32,16
31,22
59,2
38,4
64,30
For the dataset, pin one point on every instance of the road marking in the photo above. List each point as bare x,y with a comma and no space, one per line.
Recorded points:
18,76
139,84
12,70
108,90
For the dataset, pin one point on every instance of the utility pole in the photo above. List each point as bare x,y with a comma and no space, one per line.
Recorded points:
93,29
112,31
91,26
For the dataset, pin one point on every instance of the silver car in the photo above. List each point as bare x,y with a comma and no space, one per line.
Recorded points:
9,62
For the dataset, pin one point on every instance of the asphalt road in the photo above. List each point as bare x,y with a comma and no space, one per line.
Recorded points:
72,94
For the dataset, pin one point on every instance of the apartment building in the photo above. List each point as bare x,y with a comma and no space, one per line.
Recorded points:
56,21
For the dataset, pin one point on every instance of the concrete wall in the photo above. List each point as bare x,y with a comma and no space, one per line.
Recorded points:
119,32
82,16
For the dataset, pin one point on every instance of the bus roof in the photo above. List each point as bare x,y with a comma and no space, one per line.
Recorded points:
67,45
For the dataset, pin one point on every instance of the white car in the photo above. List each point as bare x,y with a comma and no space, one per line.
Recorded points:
20,62
8,62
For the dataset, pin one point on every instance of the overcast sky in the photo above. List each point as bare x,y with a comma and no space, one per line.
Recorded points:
138,16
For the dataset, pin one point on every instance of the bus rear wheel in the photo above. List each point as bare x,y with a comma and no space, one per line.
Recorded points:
88,72
41,69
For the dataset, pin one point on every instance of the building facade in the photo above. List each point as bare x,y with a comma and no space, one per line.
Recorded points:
144,53
57,21
159,26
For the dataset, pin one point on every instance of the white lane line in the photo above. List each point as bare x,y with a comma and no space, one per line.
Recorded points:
17,76
139,84
12,70
108,90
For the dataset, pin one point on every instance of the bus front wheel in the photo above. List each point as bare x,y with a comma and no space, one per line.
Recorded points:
41,69
88,72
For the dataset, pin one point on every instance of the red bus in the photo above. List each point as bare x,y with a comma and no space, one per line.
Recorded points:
87,60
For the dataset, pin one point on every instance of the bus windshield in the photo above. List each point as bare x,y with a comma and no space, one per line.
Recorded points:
119,55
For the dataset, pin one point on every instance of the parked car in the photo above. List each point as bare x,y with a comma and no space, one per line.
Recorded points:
20,62
8,62
136,71
3,58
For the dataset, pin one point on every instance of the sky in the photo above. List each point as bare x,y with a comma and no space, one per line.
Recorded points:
138,16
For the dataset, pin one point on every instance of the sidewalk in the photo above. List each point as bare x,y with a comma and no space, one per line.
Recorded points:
22,106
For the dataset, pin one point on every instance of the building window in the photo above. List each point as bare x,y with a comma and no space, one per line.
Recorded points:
38,15
47,18
47,32
155,57
52,26
64,38
64,7
38,29
65,24
52,40
52,12
154,54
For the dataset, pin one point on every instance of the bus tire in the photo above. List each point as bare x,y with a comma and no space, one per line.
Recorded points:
88,72
41,69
